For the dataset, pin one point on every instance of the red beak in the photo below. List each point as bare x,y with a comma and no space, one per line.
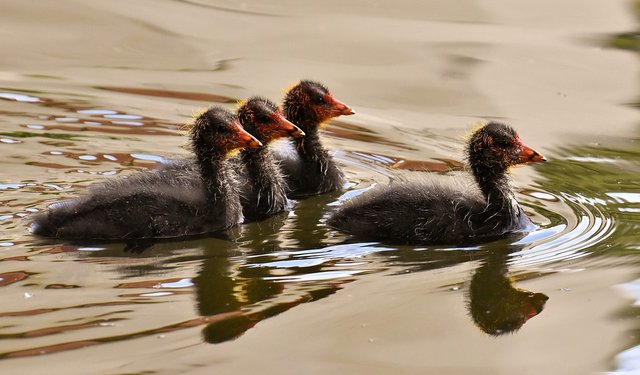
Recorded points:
287,126
243,138
337,107
529,155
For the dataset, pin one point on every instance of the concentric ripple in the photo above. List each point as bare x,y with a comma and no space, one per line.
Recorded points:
580,234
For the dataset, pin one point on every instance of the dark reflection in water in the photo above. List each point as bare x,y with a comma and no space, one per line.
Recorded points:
249,292
234,292
495,305
223,286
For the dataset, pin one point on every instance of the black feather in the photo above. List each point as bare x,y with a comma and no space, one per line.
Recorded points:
310,170
193,199
446,210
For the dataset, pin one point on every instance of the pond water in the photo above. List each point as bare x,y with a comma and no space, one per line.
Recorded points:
96,90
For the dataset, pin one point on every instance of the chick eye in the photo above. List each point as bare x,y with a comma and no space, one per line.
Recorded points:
263,119
318,100
503,143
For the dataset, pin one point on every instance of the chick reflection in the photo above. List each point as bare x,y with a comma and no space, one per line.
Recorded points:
223,288
233,296
495,305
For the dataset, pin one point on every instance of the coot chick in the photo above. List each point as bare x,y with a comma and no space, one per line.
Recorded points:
161,203
447,212
310,170
263,190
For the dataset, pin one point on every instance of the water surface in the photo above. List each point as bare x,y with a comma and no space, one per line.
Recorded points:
93,90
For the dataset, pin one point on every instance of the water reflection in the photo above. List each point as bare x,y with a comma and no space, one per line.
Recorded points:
495,304
249,276
242,294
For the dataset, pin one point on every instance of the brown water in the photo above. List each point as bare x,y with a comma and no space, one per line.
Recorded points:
92,90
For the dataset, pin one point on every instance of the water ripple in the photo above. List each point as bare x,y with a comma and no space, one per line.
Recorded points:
581,235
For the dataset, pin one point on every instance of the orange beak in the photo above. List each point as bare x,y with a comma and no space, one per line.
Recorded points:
287,127
529,155
242,138
337,107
